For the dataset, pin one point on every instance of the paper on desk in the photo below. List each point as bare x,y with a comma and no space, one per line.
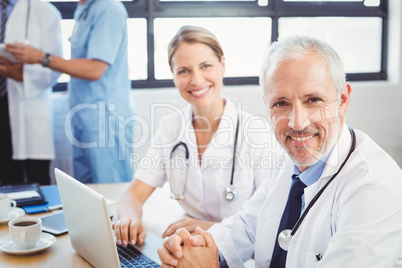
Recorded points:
23,194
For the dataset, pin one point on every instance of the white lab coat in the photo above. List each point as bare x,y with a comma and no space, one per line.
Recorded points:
207,180
357,221
29,101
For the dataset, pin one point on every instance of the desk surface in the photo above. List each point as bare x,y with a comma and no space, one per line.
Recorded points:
159,212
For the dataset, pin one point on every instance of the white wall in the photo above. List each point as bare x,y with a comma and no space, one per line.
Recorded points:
376,107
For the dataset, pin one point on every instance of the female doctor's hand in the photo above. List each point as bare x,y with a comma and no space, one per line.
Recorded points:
185,250
187,223
129,230
24,53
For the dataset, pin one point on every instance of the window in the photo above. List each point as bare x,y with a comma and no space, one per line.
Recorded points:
240,38
357,29
357,40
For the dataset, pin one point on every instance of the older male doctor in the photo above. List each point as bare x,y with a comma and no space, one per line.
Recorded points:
350,191
28,95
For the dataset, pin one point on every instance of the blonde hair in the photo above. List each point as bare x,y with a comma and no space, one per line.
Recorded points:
194,34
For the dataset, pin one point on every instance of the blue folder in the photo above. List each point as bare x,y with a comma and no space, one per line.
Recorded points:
52,198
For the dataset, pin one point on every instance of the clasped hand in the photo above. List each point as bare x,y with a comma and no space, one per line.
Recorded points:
185,250
189,223
129,229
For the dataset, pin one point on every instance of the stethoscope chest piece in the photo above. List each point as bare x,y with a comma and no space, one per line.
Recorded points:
284,239
230,193
176,197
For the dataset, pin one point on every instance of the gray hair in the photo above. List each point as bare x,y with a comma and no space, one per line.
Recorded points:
296,47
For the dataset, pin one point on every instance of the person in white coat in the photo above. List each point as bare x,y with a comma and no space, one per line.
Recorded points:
216,177
101,112
28,97
351,210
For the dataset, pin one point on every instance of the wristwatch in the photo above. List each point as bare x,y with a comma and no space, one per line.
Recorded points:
45,60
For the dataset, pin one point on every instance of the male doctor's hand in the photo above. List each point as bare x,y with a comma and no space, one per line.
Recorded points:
11,70
129,230
24,53
189,223
184,250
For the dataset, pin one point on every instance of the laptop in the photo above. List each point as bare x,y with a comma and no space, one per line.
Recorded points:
90,229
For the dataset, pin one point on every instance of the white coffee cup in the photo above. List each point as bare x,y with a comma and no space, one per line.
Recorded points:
5,205
25,231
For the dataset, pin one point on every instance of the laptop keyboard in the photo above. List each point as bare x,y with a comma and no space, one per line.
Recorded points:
131,257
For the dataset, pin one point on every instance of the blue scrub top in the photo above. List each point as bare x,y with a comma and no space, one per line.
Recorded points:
100,33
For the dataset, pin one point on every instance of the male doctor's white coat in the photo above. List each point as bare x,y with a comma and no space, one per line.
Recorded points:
29,101
357,221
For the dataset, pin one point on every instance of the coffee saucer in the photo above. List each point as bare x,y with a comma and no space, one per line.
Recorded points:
12,214
7,245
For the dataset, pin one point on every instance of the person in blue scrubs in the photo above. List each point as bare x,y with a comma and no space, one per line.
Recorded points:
100,110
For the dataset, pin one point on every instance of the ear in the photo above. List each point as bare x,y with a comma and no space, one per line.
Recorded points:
344,100
223,60
223,65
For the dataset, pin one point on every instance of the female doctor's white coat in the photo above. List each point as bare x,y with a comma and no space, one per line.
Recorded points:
357,221
29,101
207,180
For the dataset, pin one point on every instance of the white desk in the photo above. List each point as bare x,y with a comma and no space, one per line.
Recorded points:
159,212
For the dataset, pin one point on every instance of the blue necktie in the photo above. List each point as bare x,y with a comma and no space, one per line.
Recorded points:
3,82
289,218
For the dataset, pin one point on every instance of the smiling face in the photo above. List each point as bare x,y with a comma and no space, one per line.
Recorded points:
198,74
305,111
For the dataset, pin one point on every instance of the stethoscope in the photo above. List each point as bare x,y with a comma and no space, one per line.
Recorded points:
230,193
285,236
81,17
26,41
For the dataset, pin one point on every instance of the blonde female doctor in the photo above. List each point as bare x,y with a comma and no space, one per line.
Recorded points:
203,151
28,95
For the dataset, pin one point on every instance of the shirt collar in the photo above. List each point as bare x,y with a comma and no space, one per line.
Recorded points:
11,4
83,9
227,124
224,137
314,172
329,164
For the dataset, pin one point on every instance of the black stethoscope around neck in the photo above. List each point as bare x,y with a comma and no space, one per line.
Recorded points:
230,193
26,40
286,235
27,22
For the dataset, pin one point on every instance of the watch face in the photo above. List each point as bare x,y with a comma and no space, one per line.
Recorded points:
45,60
